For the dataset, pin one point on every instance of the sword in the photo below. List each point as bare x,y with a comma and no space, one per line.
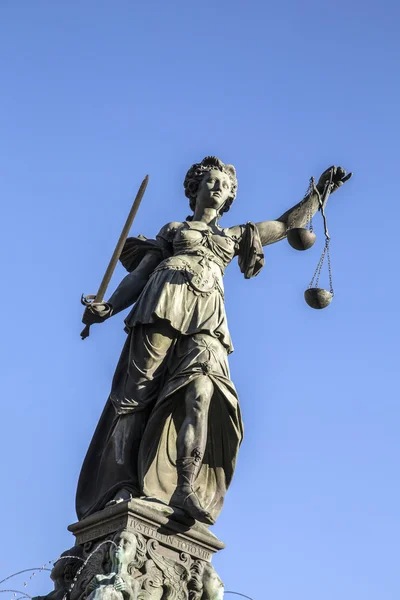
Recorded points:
98,298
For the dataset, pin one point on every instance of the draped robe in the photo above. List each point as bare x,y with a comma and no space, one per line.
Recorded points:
177,331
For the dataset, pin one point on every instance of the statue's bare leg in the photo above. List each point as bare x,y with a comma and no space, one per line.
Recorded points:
191,445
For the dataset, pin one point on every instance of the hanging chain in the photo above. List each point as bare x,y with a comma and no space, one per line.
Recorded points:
322,202
328,254
326,251
311,188
317,272
309,214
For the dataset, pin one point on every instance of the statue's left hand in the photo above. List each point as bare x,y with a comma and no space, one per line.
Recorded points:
339,177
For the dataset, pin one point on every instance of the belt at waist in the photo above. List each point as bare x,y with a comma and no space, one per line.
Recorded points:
209,256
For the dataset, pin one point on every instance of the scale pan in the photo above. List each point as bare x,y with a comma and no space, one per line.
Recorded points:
318,297
300,238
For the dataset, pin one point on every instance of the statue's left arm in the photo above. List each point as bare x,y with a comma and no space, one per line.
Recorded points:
297,216
274,231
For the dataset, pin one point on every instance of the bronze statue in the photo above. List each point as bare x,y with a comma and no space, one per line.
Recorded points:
171,428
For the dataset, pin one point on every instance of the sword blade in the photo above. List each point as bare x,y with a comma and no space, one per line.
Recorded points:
121,242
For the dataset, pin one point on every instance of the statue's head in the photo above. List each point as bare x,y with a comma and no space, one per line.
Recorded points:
204,583
128,550
213,588
211,183
125,550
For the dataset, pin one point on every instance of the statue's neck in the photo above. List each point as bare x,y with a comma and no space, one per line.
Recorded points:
120,567
209,216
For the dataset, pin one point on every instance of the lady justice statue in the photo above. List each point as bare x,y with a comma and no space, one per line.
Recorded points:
171,427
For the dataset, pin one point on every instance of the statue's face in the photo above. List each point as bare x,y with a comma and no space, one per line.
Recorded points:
125,551
213,588
214,190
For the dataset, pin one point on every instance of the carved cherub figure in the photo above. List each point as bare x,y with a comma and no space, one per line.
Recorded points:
213,588
120,583
204,583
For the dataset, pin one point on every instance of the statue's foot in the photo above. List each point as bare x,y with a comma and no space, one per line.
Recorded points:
121,496
186,498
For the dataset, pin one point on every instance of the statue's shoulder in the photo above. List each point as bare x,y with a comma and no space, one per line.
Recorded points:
168,231
236,232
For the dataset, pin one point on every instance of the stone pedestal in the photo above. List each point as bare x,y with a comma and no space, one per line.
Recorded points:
175,533
138,550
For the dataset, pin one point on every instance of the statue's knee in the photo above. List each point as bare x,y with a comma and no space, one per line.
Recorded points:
207,388
200,394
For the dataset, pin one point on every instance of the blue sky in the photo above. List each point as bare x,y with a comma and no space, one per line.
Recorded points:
97,94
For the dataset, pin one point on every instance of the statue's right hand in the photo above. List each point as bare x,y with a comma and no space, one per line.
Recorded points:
97,313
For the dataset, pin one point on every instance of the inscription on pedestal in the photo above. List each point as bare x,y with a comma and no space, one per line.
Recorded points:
100,531
169,540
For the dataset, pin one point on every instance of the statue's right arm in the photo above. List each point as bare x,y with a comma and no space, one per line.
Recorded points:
132,285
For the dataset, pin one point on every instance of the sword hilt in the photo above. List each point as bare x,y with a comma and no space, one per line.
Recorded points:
86,301
85,332
89,301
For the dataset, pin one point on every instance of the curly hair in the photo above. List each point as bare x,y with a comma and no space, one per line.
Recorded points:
195,584
196,174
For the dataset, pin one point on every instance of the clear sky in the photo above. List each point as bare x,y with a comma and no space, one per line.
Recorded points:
96,94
